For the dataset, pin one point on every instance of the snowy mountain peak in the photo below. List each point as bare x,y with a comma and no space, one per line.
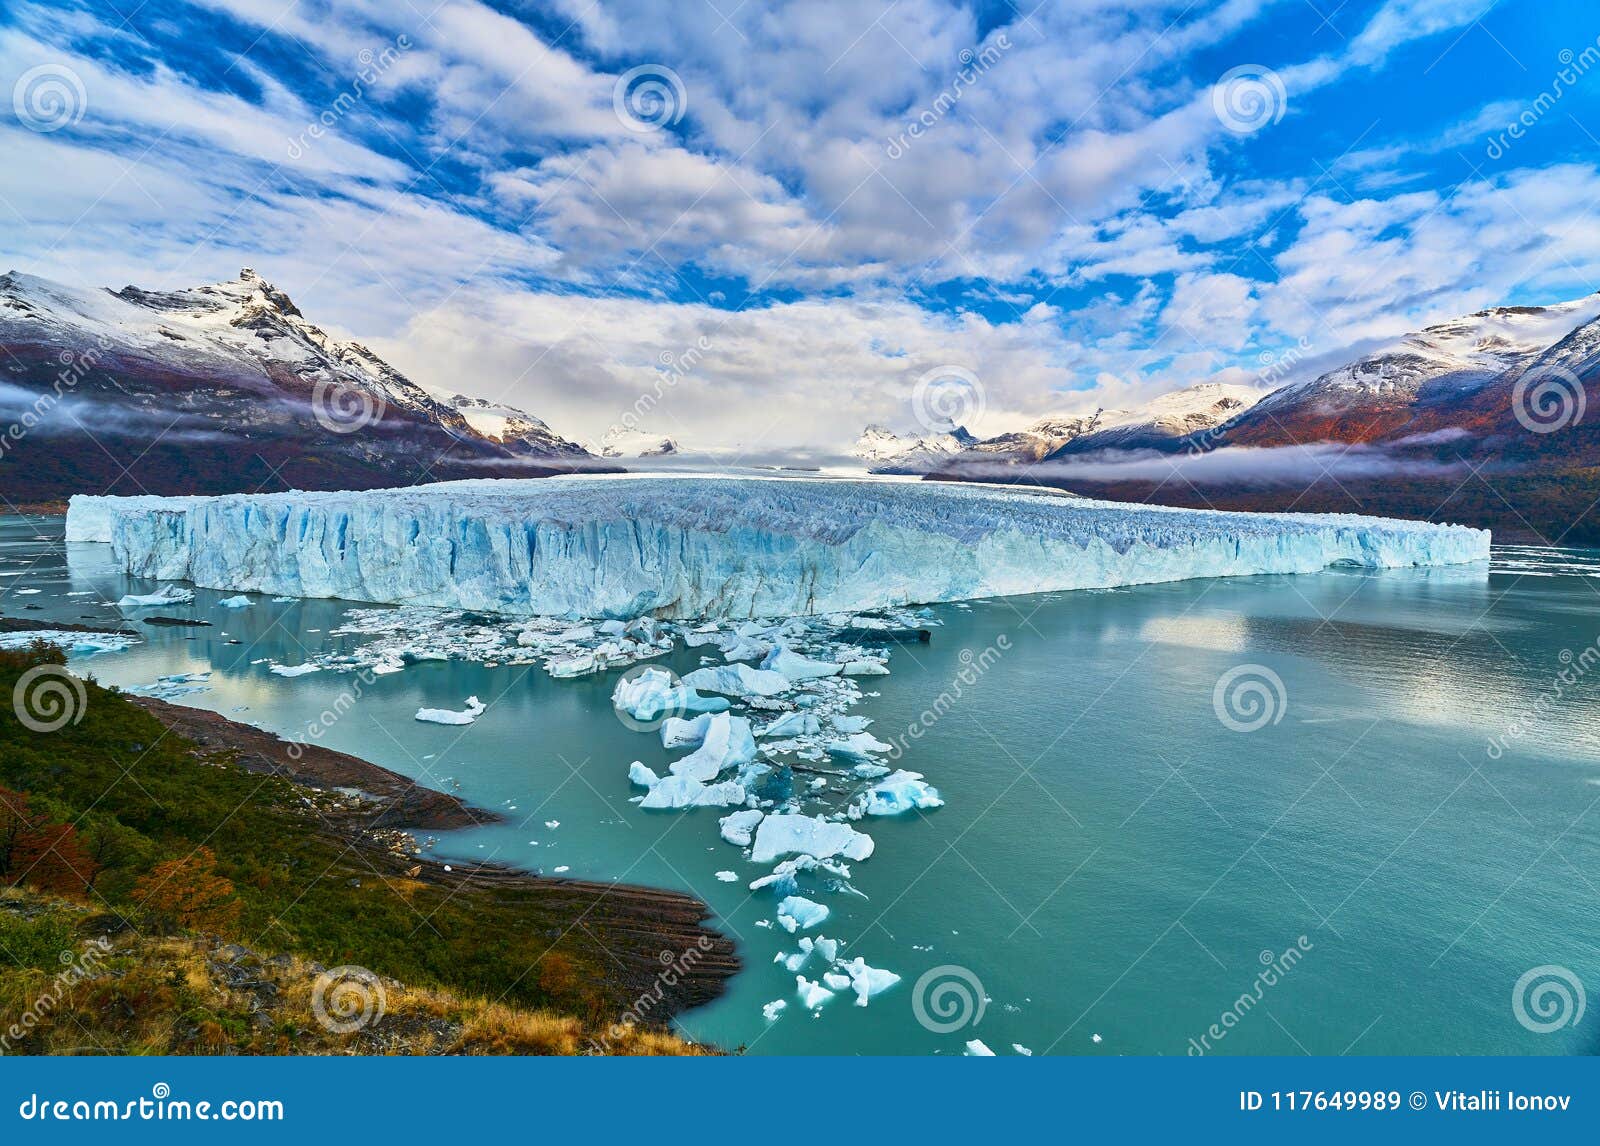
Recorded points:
889,452
619,442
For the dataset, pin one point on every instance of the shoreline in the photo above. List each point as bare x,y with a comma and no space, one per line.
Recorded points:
643,929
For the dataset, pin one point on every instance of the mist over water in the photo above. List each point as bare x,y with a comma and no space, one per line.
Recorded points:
1403,832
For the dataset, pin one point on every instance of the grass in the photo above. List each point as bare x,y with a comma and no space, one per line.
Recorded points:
185,857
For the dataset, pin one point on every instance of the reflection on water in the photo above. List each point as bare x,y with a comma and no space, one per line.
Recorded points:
1113,860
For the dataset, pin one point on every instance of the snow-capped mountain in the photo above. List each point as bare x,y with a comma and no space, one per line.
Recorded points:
513,428
1158,424
1457,375
622,443
887,452
220,388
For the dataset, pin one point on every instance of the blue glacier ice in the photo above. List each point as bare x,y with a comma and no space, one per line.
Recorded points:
681,546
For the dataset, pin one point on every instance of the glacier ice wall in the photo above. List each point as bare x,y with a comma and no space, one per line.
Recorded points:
679,546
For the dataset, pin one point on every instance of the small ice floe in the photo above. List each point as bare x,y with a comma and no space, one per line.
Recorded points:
171,687
791,725
772,1010
796,913
738,827
781,835
1022,1050
976,1048
898,793
25,592
868,981
295,670
849,725
861,746
687,792
796,667
562,868
1095,1038
728,876
168,595
738,680
552,824
812,995
284,600
782,880
475,708
239,602
655,693
72,643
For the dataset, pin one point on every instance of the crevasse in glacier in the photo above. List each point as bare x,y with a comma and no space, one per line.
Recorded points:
679,546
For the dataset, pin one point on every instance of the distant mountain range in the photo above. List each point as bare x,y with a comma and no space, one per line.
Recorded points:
223,388
1492,419
1160,424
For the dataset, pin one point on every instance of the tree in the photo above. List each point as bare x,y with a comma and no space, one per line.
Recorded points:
188,893
52,857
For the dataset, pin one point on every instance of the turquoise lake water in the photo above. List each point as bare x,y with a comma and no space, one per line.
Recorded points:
1115,864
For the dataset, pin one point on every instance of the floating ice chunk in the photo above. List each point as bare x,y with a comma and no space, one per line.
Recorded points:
728,876
677,732
295,670
781,835
976,1048
899,793
562,868
641,775
848,725
1022,1050
865,668
796,913
687,792
648,695
812,995
239,602
172,687
792,724
738,680
837,980
167,595
772,1010
796,667
475,708
860,746
868,981
73,643
737,828
869,771
827,949
727,744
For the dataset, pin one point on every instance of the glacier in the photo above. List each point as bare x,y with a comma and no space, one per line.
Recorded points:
678,546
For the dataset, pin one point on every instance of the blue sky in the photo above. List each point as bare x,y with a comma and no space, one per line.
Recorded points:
1097,202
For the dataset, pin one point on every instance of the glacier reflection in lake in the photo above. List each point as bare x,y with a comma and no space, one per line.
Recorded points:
1118,865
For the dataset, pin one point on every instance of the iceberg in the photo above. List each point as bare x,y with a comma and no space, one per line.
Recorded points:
977,1048
727,744
781,835
738,680
812,995
239,602
737,827
792,724
796,667
796,913
654,693
68,641
166,595
687,792
868,981
475,708
669,546
899,792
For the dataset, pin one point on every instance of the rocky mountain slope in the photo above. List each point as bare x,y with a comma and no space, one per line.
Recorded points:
220,388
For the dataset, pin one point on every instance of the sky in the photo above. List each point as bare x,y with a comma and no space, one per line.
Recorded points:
762,225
